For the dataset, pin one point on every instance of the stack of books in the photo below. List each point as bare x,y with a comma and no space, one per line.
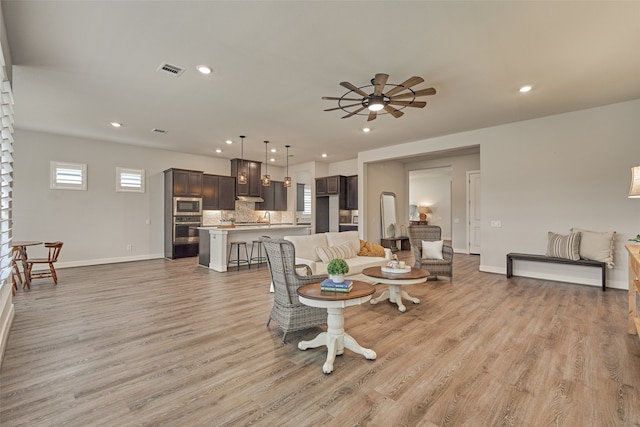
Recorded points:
330,285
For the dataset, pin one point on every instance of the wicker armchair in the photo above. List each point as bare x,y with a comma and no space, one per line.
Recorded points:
418,233
290,314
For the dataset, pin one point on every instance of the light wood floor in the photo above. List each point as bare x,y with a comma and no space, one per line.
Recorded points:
170,343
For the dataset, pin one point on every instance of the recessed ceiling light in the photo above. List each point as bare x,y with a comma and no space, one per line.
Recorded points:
365,130
273,150
272,159
115,124
228,141
324,154
204,69
525,89
218,150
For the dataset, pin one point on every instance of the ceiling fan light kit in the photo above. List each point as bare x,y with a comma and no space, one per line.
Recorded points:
397,98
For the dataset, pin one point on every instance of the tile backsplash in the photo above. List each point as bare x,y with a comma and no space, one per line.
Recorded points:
245,212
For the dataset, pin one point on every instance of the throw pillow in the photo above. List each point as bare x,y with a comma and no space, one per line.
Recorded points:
567,247
344,251
432,250
596,245
370,249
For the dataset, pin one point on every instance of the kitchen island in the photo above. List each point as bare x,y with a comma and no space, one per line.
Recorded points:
215,242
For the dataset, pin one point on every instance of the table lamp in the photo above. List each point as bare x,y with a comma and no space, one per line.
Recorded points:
424,210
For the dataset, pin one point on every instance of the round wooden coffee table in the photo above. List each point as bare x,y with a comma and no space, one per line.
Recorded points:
394,281
336,339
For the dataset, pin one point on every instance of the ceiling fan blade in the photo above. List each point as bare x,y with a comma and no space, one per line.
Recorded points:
411,81
343,107
372,115
333,98
415,104
353,113
395,113
354,88
379,81
421,92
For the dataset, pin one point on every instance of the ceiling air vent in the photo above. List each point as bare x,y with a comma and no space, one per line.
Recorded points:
170,69
156,130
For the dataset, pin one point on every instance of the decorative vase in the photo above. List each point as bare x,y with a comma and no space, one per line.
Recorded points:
337,278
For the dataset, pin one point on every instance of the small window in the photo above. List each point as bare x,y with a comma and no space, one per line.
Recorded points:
68,176
130,180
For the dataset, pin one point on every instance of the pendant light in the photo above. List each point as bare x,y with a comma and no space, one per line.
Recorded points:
287,179
242,176
266,180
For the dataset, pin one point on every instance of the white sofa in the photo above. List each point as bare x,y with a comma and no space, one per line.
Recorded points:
306,251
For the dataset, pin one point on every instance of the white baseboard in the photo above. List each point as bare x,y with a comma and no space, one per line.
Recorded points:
6,325
84,263
613,284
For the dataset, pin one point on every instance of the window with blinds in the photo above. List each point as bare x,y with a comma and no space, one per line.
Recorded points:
68,176
6,176
130,180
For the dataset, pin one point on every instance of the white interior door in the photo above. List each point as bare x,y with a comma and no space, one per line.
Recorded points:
473,192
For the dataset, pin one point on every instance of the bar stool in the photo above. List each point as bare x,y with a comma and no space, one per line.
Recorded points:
238,261
260,258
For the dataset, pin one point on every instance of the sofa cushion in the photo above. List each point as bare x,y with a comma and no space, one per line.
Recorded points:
596,245
336,238
567,247
344,251
306,245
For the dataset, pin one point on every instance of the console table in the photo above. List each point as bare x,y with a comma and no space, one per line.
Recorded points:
634,288
396,243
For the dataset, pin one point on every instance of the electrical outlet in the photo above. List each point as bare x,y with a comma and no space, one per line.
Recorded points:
129,247
496,223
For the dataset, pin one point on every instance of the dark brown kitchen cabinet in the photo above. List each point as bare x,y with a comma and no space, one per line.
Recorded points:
329,185
186,183
352,193
275,197
253,186
218,192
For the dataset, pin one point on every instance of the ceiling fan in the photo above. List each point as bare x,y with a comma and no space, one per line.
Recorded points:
397,98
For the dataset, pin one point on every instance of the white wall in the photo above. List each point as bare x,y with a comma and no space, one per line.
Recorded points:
382,176
548,174
460,165
433,190
95,225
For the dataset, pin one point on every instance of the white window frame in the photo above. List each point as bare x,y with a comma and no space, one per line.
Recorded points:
123,187
79,168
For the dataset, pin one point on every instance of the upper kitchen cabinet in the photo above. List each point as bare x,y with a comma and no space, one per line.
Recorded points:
252,169
275,197
352,193
218,192
185,183
328,185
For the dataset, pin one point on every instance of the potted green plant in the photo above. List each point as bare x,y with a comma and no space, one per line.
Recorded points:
337,268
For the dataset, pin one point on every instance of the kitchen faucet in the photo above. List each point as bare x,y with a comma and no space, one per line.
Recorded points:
267,214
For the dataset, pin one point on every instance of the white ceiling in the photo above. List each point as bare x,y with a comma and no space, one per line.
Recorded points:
80,64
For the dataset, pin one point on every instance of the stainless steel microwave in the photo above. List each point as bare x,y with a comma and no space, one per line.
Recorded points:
187,206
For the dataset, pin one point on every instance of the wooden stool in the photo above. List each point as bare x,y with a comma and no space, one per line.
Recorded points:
238,261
